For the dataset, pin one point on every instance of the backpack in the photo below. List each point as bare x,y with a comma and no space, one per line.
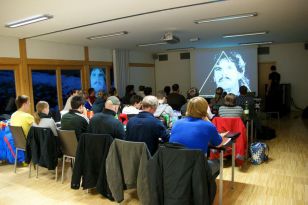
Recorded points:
259,152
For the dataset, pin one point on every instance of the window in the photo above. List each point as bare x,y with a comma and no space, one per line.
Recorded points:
98,79
44,83
7,92
70,80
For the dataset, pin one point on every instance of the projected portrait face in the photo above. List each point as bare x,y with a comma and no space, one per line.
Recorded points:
229,73
97,79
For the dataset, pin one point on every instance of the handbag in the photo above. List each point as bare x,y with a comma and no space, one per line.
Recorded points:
259,152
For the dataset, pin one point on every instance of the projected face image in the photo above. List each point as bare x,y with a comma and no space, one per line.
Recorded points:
227,76
97,79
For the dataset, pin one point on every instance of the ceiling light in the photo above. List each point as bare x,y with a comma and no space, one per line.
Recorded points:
224,18
107,35
181,49
256,43
152,44
194,39
29,20
244,34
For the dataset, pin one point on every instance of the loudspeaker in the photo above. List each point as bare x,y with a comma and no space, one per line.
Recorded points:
185,56
263,50
163,57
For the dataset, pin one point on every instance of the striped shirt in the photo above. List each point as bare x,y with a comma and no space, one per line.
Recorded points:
236,111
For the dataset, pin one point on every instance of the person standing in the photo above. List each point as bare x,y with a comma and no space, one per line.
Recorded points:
273,93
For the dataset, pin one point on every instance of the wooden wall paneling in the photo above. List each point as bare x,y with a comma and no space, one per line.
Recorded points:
86,69
59,88
9,61
144,65
23,68
55,62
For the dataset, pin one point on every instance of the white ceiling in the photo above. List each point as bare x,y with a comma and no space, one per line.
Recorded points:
285,20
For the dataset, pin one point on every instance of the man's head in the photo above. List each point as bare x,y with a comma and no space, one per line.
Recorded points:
147,91
230,100
197,107
141,88
135,101
175,87
273,68
149,103
91,92
192,92
23,103
77,103
243,90
112,103
167,90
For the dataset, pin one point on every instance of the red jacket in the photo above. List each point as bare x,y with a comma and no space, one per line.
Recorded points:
232,124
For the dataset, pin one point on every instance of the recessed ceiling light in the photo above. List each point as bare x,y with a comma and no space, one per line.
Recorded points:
107,35
29,20
256,43
225,18
244,34
152,44
194,39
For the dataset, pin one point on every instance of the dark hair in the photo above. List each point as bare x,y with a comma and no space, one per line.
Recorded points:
147,91
20,100
77,101
273,68
90,91
243,90
192,92
160,94
135,99
175,87
230,100
167,89
112,91
141,88
129,89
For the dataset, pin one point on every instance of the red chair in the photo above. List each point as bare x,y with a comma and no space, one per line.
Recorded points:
123,118
234,124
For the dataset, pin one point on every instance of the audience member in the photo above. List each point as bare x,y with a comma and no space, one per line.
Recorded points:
273,93
144,127
99,103
163,108
105,122
22,117
175,99
75,119
167,90
243,98
67,106
147,91
191,93
229,109
217,101
113,92
134,107
42,118
195,131
129,92
91,99
141,91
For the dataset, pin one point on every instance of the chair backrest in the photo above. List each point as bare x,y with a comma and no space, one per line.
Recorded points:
18,136
68,142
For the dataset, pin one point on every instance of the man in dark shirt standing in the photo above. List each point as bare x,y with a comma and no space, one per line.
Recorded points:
175,99
105,122
274,94
74,119
144,127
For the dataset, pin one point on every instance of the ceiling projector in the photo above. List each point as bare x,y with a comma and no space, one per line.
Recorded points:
170,38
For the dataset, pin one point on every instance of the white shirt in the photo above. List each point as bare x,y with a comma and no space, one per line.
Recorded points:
130,110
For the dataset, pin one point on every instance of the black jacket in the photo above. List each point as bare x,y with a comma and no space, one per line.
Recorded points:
105,123
180,176
98,105
42,148
176,100
73,121
90,163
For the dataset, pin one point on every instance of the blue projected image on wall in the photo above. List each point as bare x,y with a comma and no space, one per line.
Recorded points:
7,92
70,81
98,79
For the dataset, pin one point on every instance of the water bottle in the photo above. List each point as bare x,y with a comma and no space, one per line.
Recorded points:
246,110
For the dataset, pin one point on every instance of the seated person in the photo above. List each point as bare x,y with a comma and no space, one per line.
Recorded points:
67,106
75,119
42,118
217,101
144,127
230,109
105,121
91,99
134,107
99,102
175,99
195,131
163,107
22,117
191,93
243,98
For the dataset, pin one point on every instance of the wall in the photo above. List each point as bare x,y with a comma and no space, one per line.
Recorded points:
9,47
292,63
173,71
100,54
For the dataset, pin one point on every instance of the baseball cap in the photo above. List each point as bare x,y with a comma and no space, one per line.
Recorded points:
114,100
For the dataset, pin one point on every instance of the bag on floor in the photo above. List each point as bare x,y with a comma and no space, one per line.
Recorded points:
259,152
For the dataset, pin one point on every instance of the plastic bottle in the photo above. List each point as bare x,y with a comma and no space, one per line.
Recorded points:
246,110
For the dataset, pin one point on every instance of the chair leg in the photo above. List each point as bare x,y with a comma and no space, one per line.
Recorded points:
221,176
37,168
29,170
63,164
233,164
15,165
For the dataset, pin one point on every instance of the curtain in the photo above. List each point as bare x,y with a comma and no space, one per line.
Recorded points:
121,69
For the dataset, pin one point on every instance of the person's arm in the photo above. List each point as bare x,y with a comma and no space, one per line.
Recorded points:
119,131
216,139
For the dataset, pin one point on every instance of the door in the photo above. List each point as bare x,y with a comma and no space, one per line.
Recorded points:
264,69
